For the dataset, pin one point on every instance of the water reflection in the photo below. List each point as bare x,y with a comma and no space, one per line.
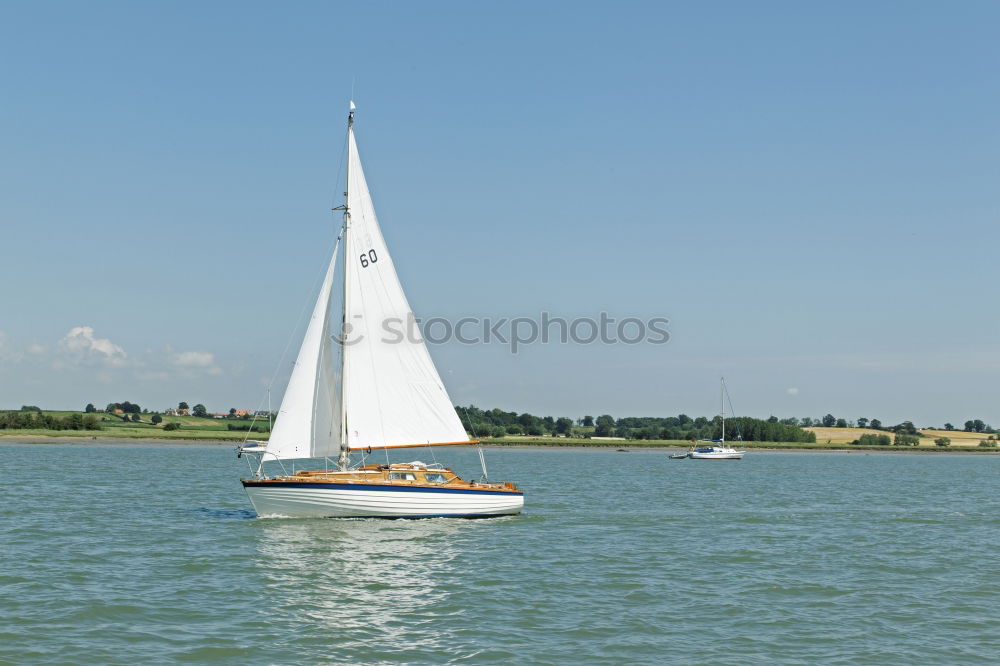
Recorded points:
366,582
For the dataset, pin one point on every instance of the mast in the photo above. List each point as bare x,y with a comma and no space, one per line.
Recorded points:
722,401
344,449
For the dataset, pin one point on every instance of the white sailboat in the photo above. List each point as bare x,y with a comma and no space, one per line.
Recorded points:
720,452
356,388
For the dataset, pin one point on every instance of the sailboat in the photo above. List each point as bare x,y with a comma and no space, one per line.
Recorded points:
720,452
358,387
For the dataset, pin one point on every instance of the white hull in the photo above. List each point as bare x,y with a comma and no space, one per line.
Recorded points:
716,455
315,500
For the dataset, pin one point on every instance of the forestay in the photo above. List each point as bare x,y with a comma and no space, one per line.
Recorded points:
308,424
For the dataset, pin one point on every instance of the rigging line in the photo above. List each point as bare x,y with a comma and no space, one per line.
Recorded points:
468,420
340,170
479,445
281,360
733,411
298,322
259,405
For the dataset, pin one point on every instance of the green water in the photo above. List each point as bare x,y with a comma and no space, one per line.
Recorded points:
620,558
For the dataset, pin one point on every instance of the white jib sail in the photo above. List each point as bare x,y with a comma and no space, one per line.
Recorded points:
392,393
308,424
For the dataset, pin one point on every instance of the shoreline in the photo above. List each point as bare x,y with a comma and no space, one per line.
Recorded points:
756,449
144,442
153,442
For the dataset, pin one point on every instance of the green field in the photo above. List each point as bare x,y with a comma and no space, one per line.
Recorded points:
191,427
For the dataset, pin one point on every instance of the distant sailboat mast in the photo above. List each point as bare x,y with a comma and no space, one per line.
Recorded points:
722,401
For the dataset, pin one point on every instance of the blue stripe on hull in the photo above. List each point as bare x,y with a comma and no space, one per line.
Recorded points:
371,487
467,516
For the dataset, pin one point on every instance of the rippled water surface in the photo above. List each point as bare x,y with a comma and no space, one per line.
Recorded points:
120,554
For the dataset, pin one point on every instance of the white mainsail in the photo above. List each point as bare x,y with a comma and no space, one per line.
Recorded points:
392,393
308,424
389,393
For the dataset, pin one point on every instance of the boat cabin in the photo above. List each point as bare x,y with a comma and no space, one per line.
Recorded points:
401,474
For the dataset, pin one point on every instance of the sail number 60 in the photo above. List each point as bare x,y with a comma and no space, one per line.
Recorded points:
368,257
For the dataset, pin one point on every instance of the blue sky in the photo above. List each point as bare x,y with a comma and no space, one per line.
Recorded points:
807,191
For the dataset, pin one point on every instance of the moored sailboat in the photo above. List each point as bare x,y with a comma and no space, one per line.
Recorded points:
720,452
363,389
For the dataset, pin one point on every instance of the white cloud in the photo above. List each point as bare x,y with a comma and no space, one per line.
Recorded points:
196,360
792,391
36,349
80,342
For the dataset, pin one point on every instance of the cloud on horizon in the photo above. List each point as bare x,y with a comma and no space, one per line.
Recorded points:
83,348
81,344
196,360
77,364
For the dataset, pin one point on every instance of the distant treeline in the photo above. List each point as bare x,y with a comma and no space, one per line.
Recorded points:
36,420
831,421
745,428
498,423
